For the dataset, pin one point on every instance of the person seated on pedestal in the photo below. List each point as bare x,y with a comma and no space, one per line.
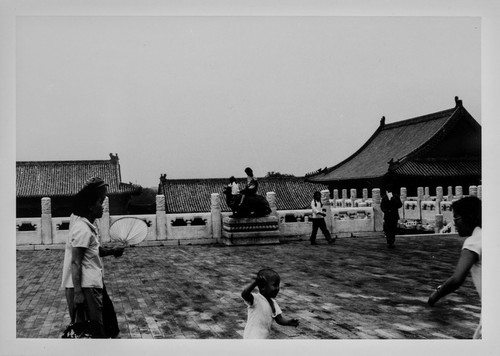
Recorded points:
252,204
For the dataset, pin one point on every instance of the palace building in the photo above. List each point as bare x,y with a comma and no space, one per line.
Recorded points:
60,180
437,149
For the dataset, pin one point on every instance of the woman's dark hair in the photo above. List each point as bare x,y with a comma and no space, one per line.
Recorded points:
85,198
249,171
469,209
317,193
232,179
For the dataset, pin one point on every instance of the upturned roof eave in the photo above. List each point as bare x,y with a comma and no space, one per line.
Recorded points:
331,169
433,139
398,161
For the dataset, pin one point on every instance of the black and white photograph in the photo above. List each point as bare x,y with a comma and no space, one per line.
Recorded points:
236,177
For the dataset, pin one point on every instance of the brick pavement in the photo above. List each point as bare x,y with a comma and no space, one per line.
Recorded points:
355,289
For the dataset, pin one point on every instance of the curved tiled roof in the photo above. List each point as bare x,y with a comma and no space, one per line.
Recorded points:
66,178
194,195
398,142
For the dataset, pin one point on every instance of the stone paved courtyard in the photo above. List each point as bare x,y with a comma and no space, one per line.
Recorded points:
355,289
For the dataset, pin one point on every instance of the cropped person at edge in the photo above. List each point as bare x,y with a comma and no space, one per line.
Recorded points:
467,219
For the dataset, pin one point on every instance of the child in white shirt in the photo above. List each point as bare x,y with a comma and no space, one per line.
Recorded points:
262,306
232,193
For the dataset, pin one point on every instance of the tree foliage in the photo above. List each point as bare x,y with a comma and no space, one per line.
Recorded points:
273,174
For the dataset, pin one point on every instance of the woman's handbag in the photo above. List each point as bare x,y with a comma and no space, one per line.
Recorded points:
81,329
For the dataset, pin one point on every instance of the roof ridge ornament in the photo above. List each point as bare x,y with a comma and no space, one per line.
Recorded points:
458,102
114,158
382,121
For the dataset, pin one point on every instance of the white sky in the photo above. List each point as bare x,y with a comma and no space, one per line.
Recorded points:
203,97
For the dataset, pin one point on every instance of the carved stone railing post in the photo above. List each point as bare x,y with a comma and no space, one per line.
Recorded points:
271,199
354,194
161,218
377,212
335,194
473,190
450,193
46,221
344,194
377,198
439,199
427,194
403,195
325,200
420,194
104,222
480,191
459,192
215,210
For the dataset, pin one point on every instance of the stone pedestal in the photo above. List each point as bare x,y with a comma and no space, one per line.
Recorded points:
250,231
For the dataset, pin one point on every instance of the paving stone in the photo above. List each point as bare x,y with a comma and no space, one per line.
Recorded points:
355,289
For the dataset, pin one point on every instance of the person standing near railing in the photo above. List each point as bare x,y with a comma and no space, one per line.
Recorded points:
318,220
467,219
390,204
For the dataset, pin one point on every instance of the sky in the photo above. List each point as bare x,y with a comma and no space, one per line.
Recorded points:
205,97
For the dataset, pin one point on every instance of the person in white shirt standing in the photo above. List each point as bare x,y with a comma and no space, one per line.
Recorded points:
318,219
467,218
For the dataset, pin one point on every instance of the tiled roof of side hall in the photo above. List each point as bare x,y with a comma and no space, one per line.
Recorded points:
66,178
394,141
194,195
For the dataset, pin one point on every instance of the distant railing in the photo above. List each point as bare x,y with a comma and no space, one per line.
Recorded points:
347,215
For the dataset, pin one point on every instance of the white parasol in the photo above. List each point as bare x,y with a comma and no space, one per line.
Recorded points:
129,231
